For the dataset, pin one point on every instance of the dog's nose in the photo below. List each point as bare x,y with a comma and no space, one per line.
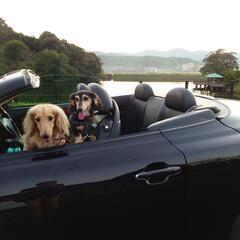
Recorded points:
45,136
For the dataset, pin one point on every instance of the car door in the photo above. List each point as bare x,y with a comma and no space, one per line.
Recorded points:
213,157
131,187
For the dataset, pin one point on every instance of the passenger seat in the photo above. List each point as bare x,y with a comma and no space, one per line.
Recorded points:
178,101
144,109
154,111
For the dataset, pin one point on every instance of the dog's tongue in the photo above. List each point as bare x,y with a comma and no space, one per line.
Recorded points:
81,116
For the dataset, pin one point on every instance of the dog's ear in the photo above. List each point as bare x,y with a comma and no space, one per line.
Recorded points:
97,103
29,125
61,122
72,104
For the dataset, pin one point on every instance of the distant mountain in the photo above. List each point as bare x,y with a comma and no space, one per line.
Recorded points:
112,53
178,52
152,61
147,64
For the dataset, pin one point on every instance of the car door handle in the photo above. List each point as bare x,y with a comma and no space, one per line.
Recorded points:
166,173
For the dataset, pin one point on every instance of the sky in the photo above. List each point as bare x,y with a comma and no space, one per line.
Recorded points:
130,25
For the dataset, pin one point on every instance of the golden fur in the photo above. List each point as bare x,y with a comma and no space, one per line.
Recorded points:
45,125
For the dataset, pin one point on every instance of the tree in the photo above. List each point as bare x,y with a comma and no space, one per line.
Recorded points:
6,32
50,41
237,75
52,62
46,54
220,62
93,63
15,51
32,42
229,75
3,69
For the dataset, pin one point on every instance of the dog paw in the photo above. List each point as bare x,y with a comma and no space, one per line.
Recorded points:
79,139
92,138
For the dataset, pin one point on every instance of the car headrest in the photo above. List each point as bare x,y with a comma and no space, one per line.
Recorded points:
180,99
82,86
107,104
143,92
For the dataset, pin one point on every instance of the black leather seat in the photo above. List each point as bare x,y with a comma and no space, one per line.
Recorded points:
178,101
82,86
137,106
108,117
144,109
154,111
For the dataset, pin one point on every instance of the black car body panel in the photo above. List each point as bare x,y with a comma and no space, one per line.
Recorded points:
185,120
212,153
94,187
232,119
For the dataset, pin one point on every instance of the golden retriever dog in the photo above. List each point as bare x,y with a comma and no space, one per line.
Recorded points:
45,125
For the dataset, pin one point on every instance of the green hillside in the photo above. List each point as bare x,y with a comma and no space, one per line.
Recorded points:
45,55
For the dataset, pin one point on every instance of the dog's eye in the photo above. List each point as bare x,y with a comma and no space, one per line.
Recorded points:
76,99
37,119
50,118
85,98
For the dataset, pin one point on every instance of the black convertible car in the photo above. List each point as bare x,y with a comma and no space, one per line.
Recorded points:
162,168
